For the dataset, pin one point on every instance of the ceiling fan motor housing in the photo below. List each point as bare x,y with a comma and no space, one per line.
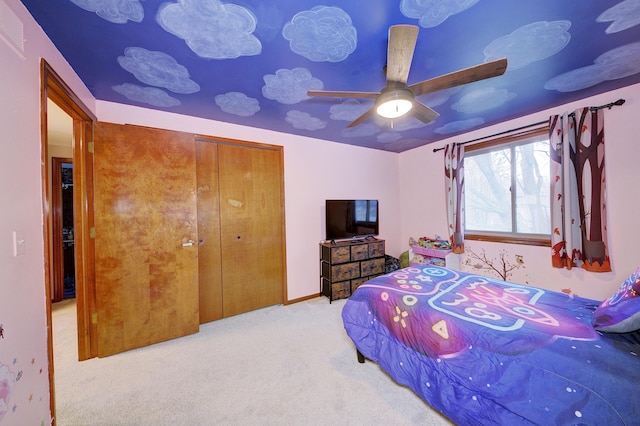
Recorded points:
394,103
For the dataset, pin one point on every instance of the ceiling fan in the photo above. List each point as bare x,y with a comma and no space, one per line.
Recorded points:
398,98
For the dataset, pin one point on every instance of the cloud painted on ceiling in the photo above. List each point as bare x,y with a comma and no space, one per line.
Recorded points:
529,43
617,63
321,34
431,13
157,69
238,103
212,29
622,16
289,86
118,12
148,95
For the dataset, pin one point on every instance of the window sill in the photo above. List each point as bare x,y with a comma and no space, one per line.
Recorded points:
510,239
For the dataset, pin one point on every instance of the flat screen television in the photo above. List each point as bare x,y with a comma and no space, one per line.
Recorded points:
351,219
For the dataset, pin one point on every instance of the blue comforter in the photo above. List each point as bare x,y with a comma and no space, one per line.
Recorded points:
483,351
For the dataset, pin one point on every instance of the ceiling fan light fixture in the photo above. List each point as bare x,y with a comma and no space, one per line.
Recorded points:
394,104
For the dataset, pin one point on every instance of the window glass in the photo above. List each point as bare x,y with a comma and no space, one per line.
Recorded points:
487,179
506,184
532,192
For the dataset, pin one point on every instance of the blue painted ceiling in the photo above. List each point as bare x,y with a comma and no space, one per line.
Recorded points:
251,62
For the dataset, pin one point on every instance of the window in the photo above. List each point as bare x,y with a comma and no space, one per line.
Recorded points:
506,184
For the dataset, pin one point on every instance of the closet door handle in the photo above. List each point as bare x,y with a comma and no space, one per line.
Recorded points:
188,243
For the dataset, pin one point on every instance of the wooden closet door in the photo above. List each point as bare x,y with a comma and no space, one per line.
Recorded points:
209,256
145,217
252,227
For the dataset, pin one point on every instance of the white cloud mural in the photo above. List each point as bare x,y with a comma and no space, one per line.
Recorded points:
617,63
238,104
459,126
157,69
290,86
322,34
148,95
622,16
348,110
482,100
432,13
530,43
115,11
304,121
212,29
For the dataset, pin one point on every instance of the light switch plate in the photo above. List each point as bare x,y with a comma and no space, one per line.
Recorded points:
18,243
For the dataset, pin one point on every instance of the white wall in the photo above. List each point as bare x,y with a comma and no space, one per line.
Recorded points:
423,202
314,171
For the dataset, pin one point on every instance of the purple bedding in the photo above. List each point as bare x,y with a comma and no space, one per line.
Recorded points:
483,351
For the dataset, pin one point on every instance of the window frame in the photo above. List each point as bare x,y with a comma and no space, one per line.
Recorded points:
515,139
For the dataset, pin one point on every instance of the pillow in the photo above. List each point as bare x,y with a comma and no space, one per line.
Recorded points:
620,313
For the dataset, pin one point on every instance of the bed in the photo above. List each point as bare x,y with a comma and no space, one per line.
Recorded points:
483,351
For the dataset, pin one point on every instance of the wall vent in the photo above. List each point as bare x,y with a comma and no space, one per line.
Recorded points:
11,29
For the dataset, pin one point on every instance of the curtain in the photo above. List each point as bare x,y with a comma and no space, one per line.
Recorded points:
578,213
454,187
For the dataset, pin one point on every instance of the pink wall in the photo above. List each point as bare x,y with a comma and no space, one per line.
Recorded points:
423,212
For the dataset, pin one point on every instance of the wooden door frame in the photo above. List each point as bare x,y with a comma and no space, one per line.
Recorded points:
57,255
55,89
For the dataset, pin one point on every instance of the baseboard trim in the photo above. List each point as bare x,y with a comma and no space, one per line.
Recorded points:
302,299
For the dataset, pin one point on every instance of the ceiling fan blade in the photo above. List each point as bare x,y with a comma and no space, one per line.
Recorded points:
338,94
364,117
458,78
423,112
402,43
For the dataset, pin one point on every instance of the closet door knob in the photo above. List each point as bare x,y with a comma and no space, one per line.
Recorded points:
188,243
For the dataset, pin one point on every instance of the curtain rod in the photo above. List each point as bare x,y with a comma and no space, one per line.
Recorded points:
539,123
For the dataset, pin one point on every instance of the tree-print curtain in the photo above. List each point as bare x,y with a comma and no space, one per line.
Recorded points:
454,187
578,213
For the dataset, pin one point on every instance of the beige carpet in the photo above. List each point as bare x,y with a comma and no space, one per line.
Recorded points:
282,365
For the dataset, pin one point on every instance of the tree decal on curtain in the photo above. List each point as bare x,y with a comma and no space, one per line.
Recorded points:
454,186
578,205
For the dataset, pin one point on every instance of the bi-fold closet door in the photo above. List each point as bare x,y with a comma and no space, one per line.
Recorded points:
187,231
240,226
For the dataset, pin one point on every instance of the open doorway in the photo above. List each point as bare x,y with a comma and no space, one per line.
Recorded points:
74,156
60,176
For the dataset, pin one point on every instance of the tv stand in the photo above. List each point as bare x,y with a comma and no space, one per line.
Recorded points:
345,265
